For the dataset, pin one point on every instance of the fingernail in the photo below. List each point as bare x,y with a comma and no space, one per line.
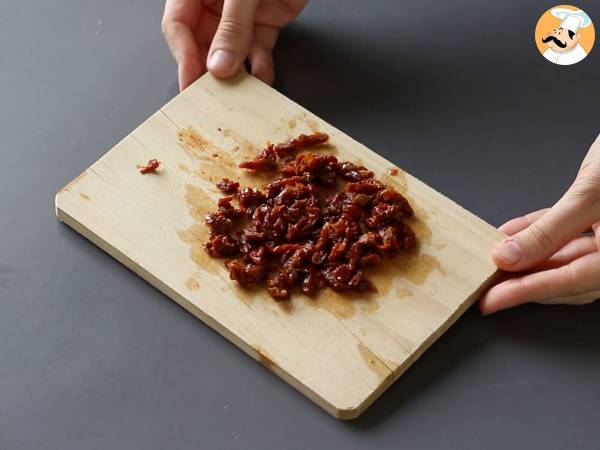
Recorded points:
221,61
509,252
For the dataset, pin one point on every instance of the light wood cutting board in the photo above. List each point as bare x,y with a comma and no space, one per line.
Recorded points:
340,352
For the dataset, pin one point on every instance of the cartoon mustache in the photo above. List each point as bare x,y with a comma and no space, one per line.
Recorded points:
556,41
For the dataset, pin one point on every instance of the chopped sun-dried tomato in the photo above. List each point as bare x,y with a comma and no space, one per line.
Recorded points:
228,186
149,167
321,223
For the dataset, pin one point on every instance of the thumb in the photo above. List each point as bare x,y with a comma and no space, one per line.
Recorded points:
231,43
572,215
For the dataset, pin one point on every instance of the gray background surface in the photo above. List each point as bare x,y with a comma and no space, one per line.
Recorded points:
92,357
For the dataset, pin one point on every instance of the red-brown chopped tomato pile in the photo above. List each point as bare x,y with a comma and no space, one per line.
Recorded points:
149,167
304,230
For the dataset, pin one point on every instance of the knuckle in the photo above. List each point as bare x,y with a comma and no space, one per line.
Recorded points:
540,236
165,27
585,190
231,29
524,291
571,281
524,285
527,219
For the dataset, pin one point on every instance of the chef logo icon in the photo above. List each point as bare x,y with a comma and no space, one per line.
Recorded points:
564,35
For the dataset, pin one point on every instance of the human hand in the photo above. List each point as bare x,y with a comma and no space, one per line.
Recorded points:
220,35
556,250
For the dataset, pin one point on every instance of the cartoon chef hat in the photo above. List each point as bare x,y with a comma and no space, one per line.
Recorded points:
570,19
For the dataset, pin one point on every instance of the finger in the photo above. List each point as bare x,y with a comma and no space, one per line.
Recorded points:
177,29
232,40
592,159
191,68
261,53
581,299
578,277
575,249
182,11
207,27
568,218
520,223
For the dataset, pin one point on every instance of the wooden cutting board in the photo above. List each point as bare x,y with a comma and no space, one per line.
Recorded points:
340,352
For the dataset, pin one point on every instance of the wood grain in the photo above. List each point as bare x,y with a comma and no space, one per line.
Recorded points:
340,352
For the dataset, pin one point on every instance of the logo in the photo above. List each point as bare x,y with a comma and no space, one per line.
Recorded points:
565,35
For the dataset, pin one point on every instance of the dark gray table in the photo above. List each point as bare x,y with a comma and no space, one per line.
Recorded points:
92,357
